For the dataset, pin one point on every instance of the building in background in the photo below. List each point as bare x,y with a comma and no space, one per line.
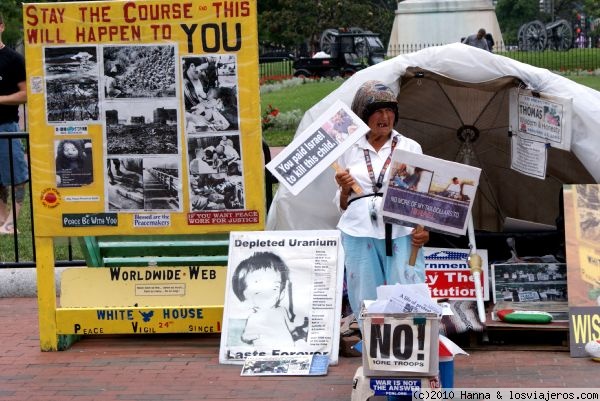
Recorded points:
422,23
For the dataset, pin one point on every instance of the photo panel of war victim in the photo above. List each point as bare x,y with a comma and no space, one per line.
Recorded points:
73,162
71,79
210,92
435,193
317,147
215,173
142,71
143,167
283,295
137,133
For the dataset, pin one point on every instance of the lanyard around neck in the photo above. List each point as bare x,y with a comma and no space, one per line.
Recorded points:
379,183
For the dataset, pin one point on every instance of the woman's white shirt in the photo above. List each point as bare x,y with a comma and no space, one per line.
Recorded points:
356,219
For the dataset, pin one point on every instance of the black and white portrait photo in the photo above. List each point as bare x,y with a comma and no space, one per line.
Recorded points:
263,283
139,71
210,93
71,83
141,127
74,163
215,173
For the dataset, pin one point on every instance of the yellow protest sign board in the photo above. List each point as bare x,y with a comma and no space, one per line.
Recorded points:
144,116
144,287
135,320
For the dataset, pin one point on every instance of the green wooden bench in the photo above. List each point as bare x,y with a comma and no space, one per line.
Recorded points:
148,250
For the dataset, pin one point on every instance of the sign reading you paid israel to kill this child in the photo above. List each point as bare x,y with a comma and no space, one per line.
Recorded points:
283,295
435,193
317,147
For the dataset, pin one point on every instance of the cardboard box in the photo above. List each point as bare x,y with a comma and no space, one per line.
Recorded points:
402,344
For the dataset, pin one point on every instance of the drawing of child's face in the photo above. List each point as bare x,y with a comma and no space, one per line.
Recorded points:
263,288
70,151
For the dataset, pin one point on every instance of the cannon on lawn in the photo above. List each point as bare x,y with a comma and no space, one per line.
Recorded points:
537,36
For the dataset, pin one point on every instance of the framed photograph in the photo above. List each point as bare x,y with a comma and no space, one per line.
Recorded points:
531,286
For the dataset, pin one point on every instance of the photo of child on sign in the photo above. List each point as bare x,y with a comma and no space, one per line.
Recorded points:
283,295
317,147
263,281
74,162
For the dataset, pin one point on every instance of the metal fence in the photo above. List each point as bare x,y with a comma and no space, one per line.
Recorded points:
278,64
13,245
575,59
6,139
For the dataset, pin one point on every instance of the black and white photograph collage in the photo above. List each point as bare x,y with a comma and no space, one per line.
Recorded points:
143,171
212,130
71,79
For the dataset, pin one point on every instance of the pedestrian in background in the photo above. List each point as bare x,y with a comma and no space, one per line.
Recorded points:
477,40
13,92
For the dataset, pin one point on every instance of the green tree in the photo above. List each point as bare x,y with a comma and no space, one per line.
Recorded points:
592,11
512,14
292,22
11,11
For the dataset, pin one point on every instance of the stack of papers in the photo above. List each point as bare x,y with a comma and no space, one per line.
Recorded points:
404,298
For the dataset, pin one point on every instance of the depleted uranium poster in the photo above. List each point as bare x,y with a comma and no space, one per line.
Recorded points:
145,117
283,295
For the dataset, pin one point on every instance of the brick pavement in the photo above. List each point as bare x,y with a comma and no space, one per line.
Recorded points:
186,368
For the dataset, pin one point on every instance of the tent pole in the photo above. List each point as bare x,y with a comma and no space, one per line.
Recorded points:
475,266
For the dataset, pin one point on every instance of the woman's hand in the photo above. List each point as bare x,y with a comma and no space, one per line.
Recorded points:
345,181
420,236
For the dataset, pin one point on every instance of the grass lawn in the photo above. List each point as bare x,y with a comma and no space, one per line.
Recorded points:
24,248
300,97
591,81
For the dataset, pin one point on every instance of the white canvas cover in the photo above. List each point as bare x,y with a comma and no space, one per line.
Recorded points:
313,208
